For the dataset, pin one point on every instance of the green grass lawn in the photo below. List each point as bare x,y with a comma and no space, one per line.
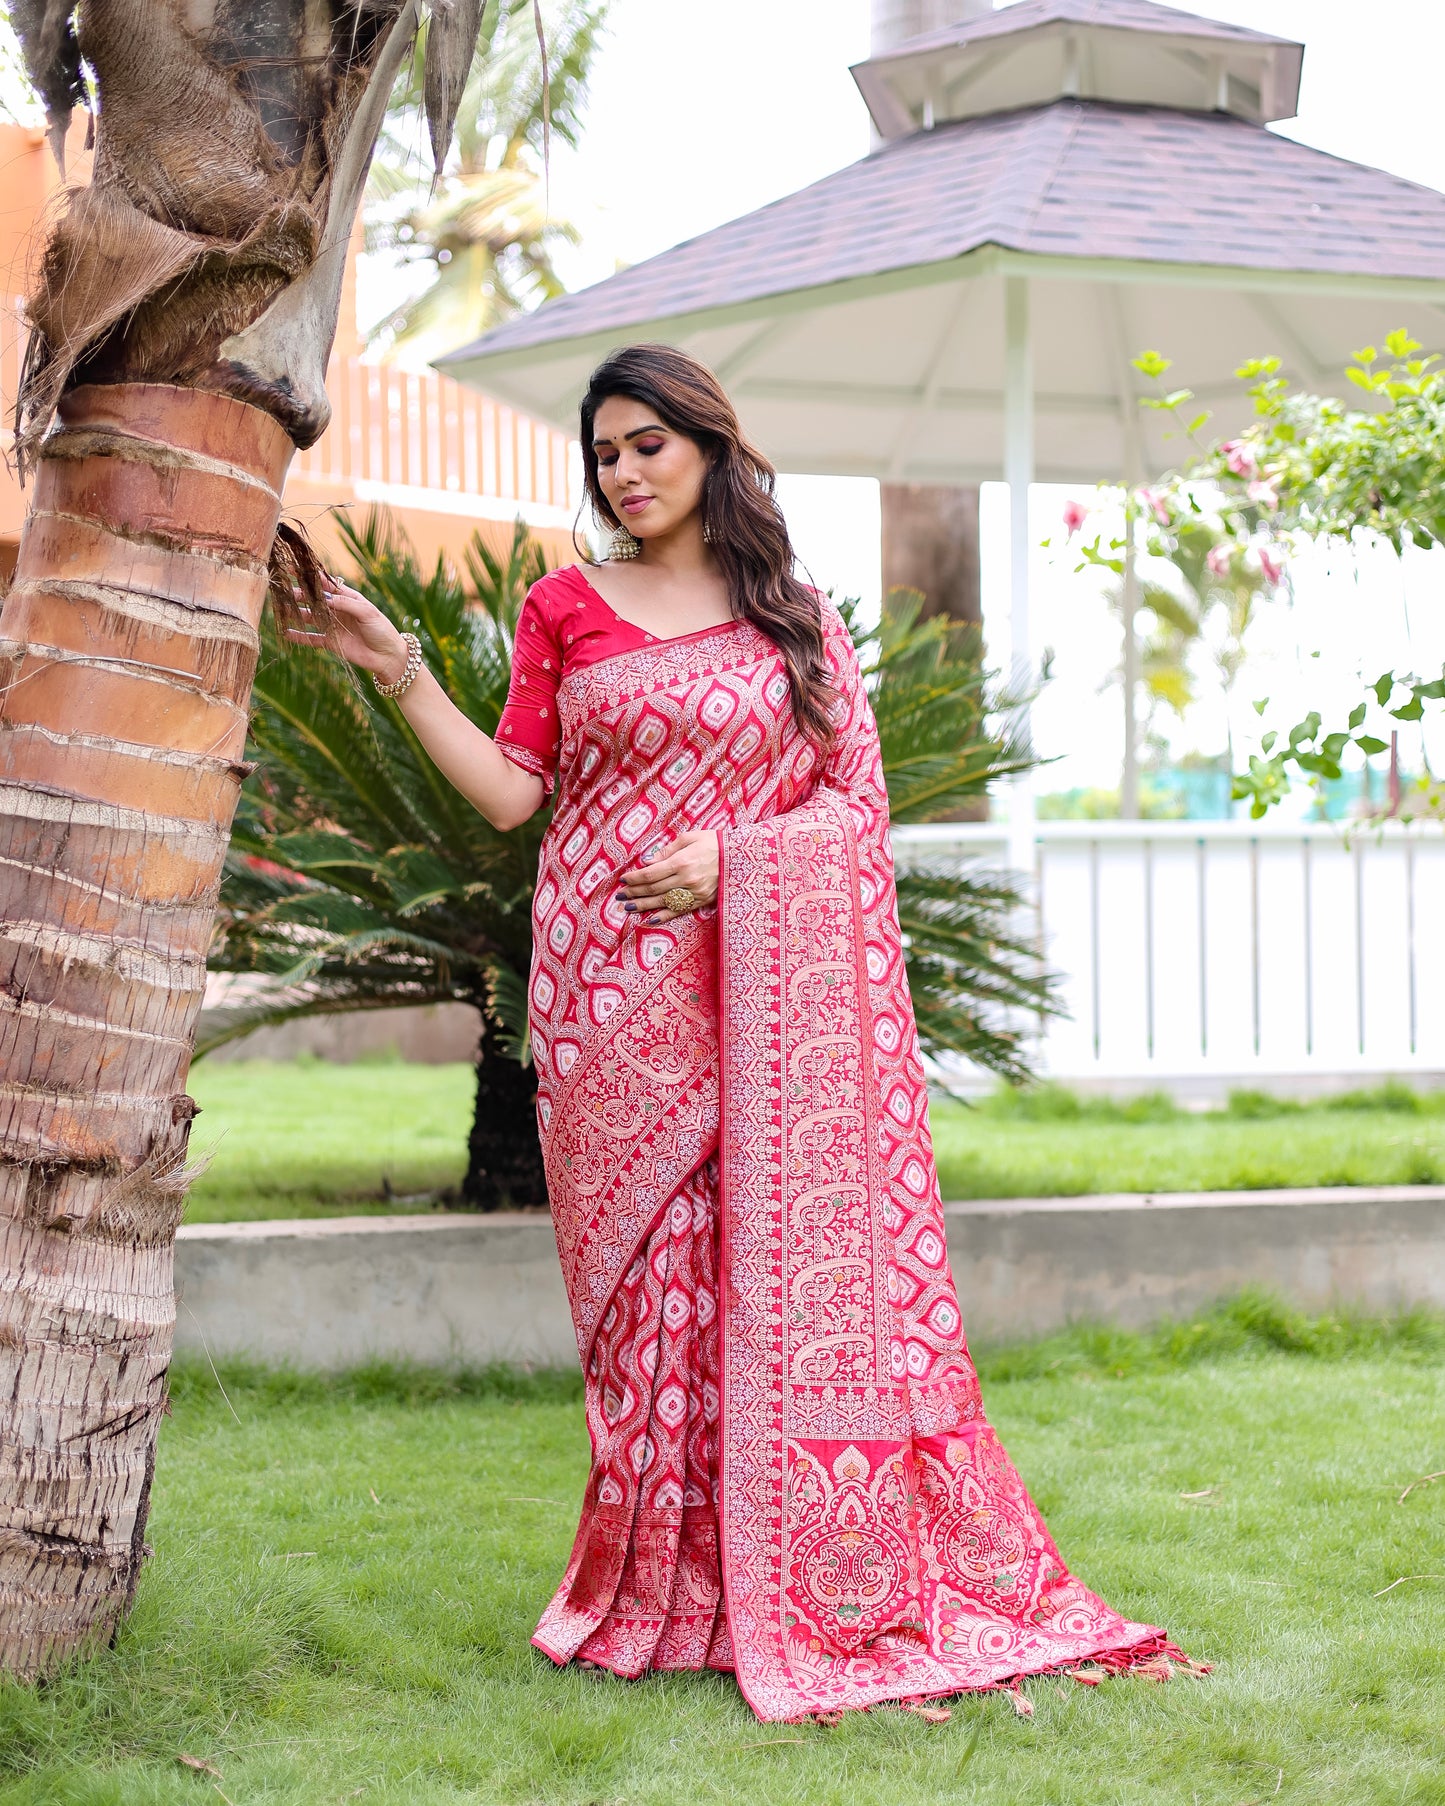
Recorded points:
347,1574
311,1139
304,1138
1049,1142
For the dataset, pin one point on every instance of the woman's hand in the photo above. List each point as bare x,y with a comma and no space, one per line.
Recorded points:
360,632
690,862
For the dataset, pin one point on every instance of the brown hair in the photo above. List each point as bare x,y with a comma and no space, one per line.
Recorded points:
744,524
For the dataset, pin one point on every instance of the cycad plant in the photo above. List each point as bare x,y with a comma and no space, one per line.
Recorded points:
359,879
978,985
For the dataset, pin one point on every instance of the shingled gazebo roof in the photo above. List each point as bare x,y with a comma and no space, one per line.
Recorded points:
860,322
1073,179
1132,50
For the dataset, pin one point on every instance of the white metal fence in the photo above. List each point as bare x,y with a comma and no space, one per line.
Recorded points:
1229,949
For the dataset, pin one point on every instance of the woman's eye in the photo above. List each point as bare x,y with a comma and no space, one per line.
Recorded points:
606,463
648,450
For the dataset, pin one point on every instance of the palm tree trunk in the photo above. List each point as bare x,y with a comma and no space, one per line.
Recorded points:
504,1155
931,544
127,647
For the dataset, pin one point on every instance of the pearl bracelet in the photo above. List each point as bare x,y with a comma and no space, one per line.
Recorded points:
408,676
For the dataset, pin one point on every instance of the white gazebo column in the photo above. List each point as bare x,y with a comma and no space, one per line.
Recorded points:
1129,785
1018,470
1118,332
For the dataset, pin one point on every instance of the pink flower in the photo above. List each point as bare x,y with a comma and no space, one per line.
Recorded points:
1152,499
1239,457
1075,514
1271,566
1265,492
1218,561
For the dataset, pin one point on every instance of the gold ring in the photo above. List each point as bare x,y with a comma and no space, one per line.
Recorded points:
680,900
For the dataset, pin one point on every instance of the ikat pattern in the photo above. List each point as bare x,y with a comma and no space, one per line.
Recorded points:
669,737
782,1408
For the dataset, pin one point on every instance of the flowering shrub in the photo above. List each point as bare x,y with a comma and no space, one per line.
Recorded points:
1307,468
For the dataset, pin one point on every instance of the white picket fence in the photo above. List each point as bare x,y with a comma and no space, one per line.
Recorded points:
1230,950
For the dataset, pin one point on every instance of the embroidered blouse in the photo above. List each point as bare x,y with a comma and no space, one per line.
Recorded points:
564,623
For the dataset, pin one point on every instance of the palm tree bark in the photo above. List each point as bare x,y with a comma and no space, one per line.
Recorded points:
931,544
127,647
198,274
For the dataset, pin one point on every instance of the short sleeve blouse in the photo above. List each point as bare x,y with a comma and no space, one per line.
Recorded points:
563,623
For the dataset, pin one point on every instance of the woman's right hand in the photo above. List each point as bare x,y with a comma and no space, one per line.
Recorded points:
360,632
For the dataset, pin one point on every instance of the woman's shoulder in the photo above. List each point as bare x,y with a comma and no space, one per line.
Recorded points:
564,584
831,617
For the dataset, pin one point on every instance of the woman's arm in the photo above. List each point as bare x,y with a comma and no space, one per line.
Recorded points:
486,777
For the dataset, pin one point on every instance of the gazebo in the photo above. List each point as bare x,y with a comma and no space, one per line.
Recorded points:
1060,184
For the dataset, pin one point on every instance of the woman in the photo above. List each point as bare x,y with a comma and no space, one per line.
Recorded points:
792,1476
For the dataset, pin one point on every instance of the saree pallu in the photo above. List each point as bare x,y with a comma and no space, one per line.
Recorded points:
792,1474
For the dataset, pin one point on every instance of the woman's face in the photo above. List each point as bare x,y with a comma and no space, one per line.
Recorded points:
651,476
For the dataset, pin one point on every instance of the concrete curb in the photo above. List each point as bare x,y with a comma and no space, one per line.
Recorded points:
333,1293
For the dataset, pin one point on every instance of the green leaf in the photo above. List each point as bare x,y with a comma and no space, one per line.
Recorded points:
1150,363
1410,711
1362,379
1367,743
1383,687
1357,715
1199,421
1303,732
1260,706
1367,355
1400,344
1333,745
1267,743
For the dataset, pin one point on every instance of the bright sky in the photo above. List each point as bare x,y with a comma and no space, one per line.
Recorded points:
701,113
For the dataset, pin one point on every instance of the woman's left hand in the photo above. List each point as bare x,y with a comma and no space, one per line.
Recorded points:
690,862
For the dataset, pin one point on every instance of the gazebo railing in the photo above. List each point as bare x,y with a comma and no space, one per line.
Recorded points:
1231,949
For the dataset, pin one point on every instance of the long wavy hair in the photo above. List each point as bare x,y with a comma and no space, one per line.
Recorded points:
744,525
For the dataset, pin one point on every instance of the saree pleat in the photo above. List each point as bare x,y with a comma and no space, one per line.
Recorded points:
792,1474
643,1588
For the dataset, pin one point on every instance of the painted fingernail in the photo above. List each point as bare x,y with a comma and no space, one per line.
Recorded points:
630,908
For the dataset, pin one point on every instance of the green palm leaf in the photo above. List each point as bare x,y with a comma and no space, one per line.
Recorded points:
487,230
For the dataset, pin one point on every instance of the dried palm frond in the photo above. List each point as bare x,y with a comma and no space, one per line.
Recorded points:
232,149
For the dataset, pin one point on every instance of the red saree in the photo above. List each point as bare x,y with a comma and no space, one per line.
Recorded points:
792,1475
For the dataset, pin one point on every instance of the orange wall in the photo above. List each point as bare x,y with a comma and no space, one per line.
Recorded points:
29,181
29,185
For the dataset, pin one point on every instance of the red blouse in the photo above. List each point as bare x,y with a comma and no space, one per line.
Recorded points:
564,623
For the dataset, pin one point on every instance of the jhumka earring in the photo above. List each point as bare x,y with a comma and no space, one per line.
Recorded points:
707,532
623,545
